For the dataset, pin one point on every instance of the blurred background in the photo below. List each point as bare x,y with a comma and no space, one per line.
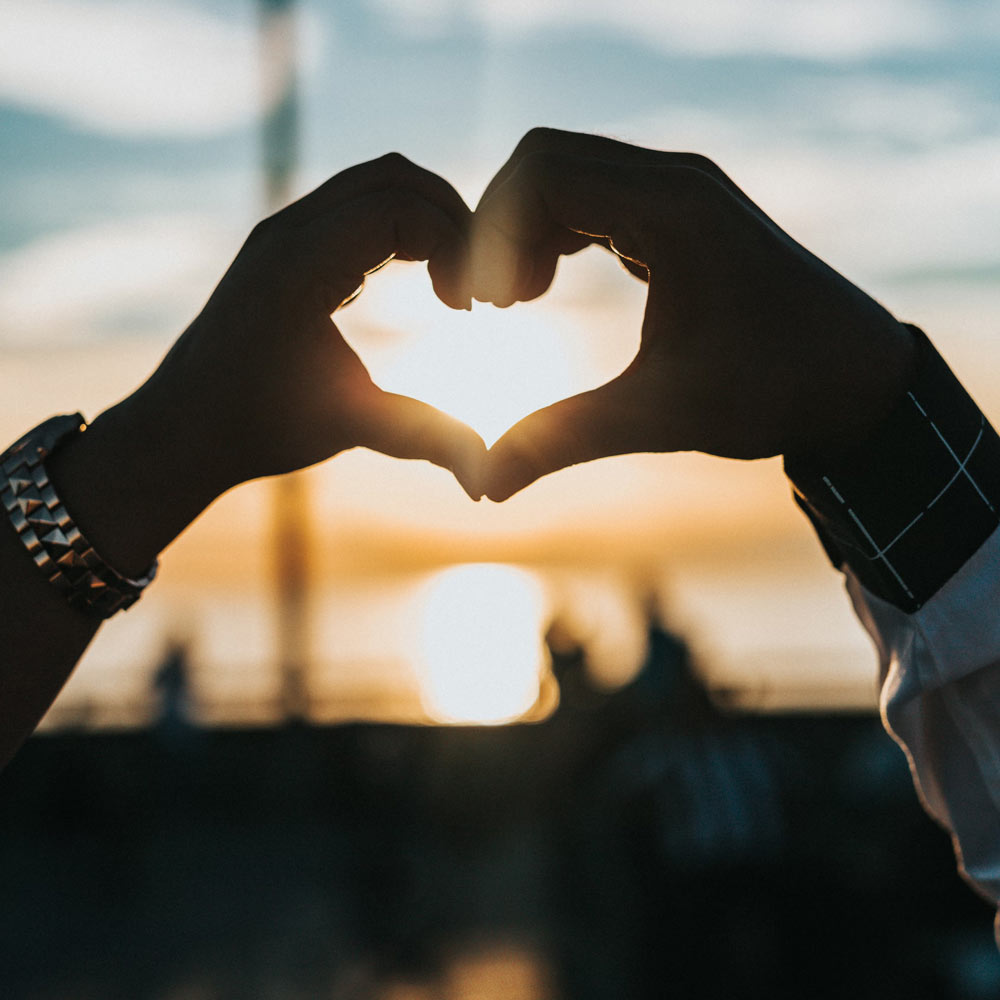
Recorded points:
617,736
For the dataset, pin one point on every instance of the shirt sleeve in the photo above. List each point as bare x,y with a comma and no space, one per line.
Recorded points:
911,517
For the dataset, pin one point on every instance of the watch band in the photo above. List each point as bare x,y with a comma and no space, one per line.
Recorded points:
47,530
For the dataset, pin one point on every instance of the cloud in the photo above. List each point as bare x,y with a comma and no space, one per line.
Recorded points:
809,29
876,207
130,67
917,112
141,275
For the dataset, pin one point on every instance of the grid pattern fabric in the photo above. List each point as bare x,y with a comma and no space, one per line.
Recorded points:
907,509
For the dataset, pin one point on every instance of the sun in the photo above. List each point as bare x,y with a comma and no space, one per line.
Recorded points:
482,654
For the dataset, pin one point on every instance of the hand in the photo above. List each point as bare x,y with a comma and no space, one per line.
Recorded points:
264,382
750,346
260,383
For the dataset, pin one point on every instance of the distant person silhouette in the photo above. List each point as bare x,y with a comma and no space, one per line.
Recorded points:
172,684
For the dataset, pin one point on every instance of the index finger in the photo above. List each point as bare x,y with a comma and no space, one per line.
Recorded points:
599,147
553,140
552,204
332,255
393,170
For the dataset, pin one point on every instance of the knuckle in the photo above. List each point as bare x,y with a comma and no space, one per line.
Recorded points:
698,161
697,186
394,162
538,138
264,230
268,237
707,208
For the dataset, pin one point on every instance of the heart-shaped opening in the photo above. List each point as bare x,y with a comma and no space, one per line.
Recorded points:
491,367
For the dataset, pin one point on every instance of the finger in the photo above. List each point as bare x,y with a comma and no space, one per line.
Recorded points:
336,251
583,148
578,144
640,271
635,268
588,426
551,205
650,215
390,171
408,428
598,147
448,271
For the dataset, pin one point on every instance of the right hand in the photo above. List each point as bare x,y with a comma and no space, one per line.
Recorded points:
750,347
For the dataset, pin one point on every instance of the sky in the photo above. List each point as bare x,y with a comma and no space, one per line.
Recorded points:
129,176
871,129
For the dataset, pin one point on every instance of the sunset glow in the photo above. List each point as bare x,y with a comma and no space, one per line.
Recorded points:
132,173
482,652
489,367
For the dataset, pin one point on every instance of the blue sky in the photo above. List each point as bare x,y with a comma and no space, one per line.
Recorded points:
871,130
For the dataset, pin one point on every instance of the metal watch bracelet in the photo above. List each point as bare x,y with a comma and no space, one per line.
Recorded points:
47,530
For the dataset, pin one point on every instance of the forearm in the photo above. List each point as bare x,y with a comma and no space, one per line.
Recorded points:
138,476
908,504
912,517
261,383
43,637
123,485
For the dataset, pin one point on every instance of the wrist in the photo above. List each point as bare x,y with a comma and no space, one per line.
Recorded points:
126,483
906,508
885,361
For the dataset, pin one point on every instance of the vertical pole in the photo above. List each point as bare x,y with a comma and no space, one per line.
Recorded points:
291,528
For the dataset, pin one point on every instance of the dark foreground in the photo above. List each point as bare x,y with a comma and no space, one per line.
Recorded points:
637,845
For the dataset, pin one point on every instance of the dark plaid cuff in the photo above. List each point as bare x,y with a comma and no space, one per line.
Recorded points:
907,509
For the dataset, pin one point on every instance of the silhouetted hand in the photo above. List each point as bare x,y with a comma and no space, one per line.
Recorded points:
263,379
750,347
261,382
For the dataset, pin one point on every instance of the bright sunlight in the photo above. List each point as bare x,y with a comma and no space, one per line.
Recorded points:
489,367
482,653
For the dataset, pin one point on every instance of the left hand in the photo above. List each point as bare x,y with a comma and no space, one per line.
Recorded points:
262,382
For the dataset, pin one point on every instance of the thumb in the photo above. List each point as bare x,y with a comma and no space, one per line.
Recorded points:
408,428
581,428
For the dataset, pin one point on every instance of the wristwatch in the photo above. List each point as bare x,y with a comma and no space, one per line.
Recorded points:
48,532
